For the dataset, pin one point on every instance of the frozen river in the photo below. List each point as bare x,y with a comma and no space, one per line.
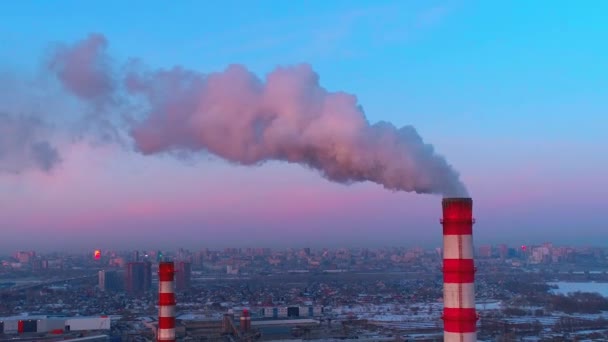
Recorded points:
567,287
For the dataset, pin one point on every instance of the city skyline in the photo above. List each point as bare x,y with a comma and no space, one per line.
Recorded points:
182,254
517,111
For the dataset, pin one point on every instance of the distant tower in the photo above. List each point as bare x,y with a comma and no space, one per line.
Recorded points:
166,302
459,316
101,277
147,276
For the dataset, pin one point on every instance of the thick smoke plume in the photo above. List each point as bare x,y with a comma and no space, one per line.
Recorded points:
23,145
287,116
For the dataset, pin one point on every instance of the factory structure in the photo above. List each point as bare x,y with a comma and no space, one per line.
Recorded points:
52,325
459,316
245,321
291,311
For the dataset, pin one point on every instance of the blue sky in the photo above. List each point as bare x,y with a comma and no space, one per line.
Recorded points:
512,93
505,68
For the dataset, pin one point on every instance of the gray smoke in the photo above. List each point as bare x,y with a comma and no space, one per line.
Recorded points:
287,117
83,68
23,145
235,115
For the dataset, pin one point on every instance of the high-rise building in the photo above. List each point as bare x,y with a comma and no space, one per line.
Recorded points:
135,277
25,257
147,275
184,254
109,280
503,251
101,279
198,258
183,274
484,251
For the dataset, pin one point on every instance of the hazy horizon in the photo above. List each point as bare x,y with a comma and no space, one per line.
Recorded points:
278,247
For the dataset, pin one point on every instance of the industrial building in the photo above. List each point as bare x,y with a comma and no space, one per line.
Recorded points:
290,311
55,325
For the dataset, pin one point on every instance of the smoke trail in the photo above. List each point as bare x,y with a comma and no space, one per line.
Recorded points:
23,145
243,119
83,68
287,117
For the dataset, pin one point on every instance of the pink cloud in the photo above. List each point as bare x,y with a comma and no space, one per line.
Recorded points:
83,68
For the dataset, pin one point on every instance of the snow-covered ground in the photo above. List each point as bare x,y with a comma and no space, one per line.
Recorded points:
488,305
567,287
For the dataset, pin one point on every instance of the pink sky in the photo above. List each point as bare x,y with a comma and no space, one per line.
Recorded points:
100,199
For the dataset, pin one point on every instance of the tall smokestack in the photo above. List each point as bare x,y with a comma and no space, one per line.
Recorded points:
459,316
166,302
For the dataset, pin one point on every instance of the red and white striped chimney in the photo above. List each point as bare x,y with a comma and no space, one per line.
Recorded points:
166,302
245,321
459,316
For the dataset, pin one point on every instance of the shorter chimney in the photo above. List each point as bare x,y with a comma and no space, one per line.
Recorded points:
245,321
166,303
